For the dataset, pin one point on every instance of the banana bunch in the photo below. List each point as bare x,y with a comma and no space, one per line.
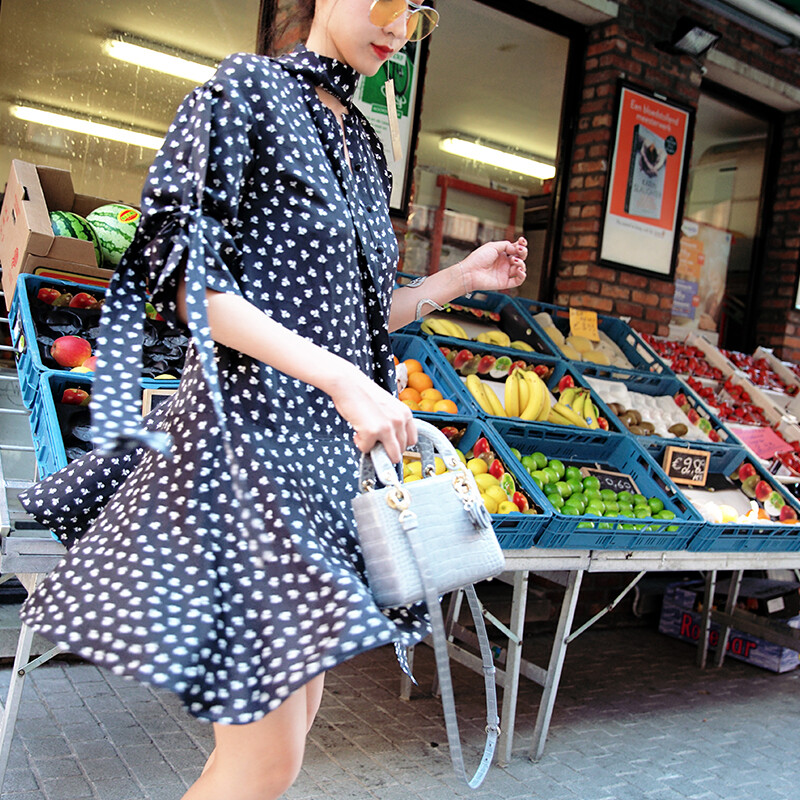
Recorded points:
443,327
575,407
494,337
526,396
485,397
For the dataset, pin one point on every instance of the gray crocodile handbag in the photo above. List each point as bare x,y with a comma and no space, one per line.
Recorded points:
423,540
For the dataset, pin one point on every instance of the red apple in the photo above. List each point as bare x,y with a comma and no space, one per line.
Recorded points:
763,491
603,423
749,485
47,295
445,351
75,397
480,447
485,364
566,382
746,470
788,513
83,300
450,432
693,416
520,501
90,364
462,357
713,435
497,469
519,364
70,351
680,399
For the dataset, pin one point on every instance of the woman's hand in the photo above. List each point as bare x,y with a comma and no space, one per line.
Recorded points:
375,415
495,266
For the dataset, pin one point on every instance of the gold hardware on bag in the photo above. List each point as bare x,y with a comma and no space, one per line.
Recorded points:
399,499
429,471
460,484
368,485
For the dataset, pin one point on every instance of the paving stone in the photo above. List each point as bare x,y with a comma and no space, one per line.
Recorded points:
118,789
67,789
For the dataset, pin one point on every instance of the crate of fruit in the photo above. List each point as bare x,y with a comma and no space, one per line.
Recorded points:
605,492
620,352
745,508
424,382
536,388
519,513
487,318
54,325
60,417
663,407
694,356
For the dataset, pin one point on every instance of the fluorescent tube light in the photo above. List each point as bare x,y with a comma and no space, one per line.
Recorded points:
66,122
145,54
496,157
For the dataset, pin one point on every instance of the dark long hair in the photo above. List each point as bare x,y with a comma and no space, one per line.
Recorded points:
283,24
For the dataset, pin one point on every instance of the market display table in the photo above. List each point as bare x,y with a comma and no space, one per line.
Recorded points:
567,568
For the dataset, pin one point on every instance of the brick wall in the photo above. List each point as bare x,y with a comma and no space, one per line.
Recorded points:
626,49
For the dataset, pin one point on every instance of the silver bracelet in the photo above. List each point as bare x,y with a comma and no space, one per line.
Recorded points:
421,303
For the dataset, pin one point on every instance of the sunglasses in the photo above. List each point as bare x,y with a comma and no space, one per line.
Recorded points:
420,20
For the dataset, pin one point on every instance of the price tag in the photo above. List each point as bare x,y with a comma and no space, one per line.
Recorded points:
616,481
687,466
583,323
764,442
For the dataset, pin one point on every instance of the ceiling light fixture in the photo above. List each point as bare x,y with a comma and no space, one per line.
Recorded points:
160,58
693,38
497,156
67,122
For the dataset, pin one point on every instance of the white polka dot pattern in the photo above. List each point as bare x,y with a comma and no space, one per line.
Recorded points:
225,566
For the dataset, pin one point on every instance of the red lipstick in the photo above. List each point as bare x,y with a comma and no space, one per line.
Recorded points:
382,52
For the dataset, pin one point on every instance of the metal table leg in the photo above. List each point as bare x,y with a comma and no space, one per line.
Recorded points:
512,669
556,664
734,585
705,619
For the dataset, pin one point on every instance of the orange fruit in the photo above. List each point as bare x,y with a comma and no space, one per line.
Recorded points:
431,394
412,365
419,381
412,405
445,407
427,405
409,393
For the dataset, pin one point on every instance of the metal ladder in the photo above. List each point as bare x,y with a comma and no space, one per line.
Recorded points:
27,552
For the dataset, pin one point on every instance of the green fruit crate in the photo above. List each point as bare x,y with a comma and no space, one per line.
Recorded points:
560,368
642,357
515,531
496,310
734,537
50,419
616,453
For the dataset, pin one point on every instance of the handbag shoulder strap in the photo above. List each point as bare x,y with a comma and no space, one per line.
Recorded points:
409,522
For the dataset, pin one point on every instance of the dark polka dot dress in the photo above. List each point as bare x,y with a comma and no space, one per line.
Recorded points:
218,558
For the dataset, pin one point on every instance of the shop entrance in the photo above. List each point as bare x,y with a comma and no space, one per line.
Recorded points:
495,80
716,286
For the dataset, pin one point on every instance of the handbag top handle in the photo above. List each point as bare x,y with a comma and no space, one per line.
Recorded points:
430,442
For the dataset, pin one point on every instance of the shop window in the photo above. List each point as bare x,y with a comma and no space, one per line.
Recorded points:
60,63
495,80
722,221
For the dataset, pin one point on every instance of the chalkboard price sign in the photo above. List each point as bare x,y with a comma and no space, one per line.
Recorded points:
616,481
687,466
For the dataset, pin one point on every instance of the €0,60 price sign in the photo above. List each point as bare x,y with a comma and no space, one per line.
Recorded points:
687,466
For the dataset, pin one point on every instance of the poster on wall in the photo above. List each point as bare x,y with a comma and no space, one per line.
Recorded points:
404,68
700,276
644,194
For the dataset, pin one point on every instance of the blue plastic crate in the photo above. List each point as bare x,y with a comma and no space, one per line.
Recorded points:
741,537
48,439
406,346
666,386
31,361
515,531
560,368
505,315
641,356
617,453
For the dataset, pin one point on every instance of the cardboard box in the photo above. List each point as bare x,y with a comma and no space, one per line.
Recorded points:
680,620
27,243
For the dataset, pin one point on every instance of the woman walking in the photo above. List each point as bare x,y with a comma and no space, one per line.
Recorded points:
225,566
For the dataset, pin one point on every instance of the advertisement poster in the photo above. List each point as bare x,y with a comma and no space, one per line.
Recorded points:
700,276
370,97
644,194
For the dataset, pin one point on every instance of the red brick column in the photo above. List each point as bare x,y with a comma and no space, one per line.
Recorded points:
616,50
